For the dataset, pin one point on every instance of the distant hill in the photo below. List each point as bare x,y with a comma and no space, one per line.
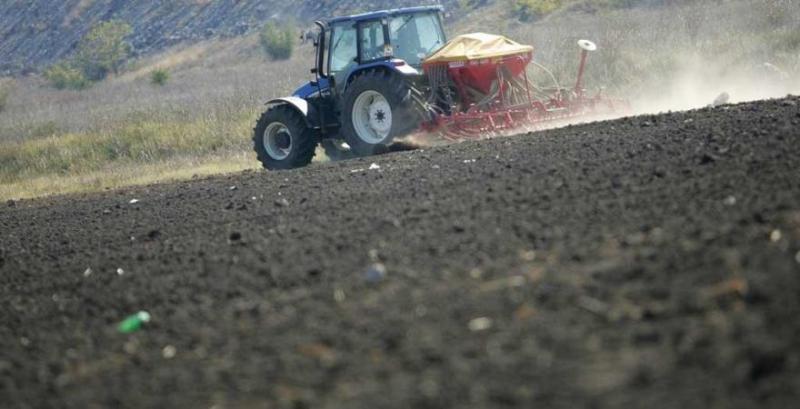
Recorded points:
36,33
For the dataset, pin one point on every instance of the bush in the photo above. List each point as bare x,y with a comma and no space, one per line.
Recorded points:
4,92
63,75
533,9
471,4
277,41
103,50
159,77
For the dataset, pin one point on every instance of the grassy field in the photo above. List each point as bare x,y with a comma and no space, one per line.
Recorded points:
126,130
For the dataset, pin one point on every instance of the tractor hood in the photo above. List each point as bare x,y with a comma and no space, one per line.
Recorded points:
477,46
310,88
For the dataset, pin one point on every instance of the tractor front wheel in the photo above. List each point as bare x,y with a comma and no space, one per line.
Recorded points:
282,140
377,109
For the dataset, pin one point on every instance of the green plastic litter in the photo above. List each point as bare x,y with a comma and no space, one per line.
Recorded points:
134,322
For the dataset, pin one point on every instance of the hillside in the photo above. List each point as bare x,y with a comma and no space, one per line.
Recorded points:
125,130
40,32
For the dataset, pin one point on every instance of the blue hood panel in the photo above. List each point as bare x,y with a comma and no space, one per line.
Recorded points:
306,90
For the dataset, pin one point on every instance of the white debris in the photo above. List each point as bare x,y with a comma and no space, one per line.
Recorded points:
358,170
375,273
374,166
134,201
421,311
435,166
88,272
516,281
480,324
339,295
729,201
476,273
775,236
232,188
169,352
527,255
131,346
120,271
373,255
722,99
470,160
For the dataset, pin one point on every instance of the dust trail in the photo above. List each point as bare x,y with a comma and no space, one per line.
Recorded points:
700,82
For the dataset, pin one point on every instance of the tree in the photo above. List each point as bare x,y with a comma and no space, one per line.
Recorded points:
534,9
103,50
63,75
159,77
277,41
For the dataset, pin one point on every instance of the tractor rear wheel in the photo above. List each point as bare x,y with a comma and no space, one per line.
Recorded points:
282,140
377,108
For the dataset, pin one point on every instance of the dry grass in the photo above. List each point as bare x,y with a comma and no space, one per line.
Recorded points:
116,176
127,131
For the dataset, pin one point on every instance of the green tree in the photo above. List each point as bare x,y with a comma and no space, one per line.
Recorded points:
4,93
103,50
64,75
159,77
533,9
277,40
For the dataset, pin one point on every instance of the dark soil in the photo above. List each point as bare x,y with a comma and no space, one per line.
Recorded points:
650,262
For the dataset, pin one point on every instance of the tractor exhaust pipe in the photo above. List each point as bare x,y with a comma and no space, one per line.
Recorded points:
586,46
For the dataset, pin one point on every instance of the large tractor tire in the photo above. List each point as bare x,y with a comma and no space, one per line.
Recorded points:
377,108
337,149
282,140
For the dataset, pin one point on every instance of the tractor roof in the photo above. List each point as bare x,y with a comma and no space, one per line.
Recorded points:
386,13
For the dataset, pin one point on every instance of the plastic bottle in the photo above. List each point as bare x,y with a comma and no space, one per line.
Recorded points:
134,322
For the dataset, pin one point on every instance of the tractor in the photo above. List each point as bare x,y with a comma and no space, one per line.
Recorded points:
383,75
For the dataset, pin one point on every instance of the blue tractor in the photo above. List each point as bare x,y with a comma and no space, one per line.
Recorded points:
362,96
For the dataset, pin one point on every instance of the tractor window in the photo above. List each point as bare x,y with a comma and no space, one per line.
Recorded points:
343,48
372,40
416,36
325,43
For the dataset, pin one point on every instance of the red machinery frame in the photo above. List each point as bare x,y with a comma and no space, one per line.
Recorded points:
499,113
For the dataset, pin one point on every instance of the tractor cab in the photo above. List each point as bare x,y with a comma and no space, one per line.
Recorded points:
400,39
361,99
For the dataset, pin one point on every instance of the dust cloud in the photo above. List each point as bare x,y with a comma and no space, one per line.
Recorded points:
700,82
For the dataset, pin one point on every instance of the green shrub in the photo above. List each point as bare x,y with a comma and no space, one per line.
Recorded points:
534,9
470,4
159,77
4,92
277,41
63,75
103,50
